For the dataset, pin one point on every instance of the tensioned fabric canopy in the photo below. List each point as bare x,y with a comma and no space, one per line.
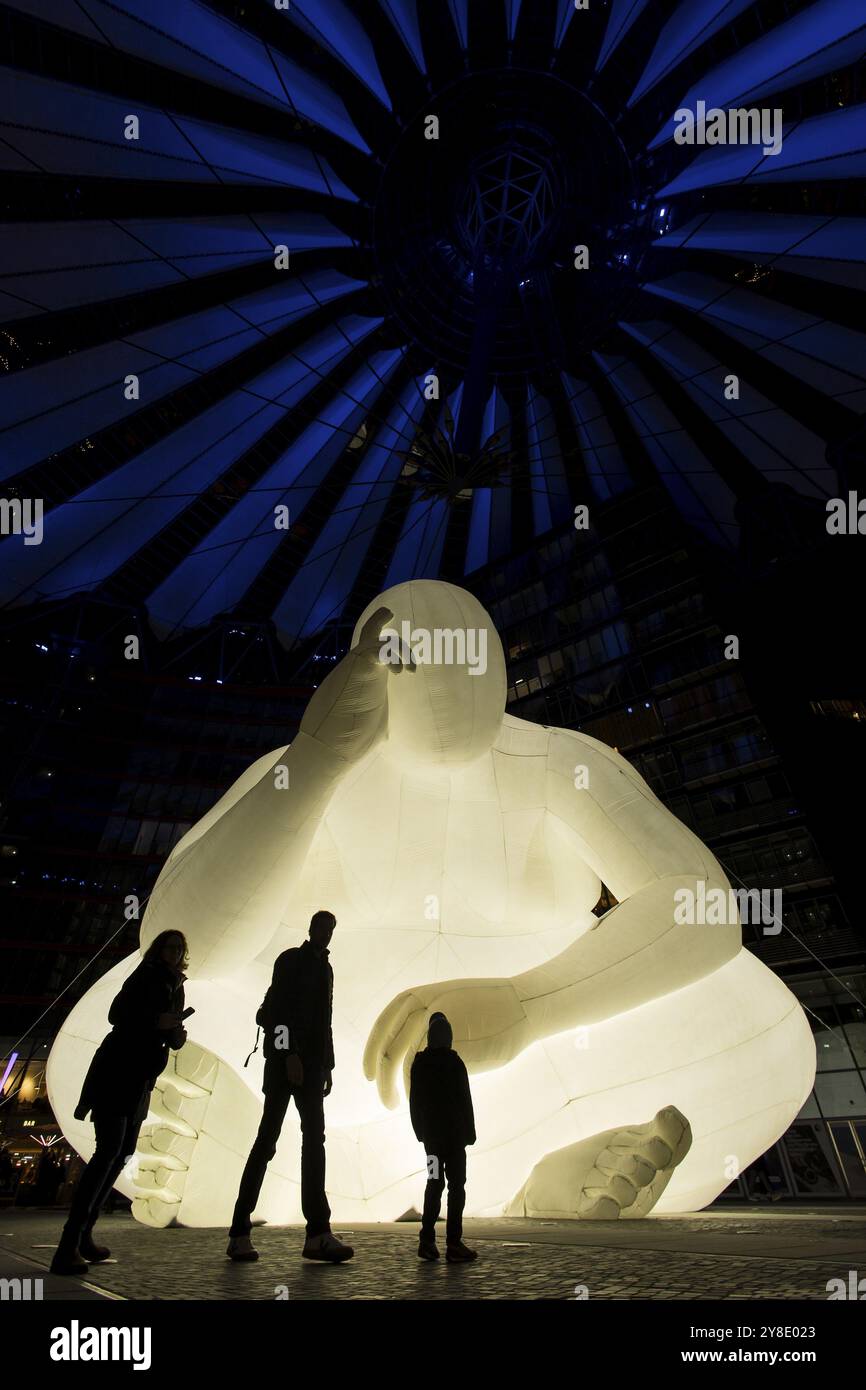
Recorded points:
281,285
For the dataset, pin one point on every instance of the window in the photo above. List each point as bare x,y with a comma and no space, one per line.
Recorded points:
841,1093
159,837
831,1048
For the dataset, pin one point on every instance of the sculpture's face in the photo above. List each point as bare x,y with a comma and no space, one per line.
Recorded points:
449,710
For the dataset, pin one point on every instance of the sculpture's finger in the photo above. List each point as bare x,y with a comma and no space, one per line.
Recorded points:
406,1041
371,633
384,1030
385,1083
403,1030
406,662
411,1054
387,1029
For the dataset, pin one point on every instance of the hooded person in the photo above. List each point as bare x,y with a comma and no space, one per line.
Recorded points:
440,1107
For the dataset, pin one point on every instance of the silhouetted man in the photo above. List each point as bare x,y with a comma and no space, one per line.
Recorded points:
299,1060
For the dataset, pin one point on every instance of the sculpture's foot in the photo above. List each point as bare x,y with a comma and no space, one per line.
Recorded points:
188,1160
621,1172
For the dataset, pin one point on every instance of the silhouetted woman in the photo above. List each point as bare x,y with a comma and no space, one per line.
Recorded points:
147,1022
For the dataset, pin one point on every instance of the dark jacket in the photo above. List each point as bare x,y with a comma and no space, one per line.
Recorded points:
440,1102
300,999
128,1061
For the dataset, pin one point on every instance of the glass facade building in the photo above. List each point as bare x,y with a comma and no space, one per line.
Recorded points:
616,631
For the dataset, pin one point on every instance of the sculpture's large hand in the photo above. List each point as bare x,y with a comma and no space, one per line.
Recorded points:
486,1017
349,711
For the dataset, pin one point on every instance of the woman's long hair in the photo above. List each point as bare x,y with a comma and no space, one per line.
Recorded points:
152,953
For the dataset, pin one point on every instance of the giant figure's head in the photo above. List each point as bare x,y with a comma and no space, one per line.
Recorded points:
449,710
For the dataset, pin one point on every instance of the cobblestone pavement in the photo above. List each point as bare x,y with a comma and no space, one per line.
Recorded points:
733,1256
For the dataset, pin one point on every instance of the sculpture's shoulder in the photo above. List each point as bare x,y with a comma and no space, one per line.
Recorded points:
522,738
565,751
593,749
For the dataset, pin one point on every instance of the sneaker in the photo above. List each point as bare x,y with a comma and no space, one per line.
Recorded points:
69,1262
241,1248
91,1252
327,1247
458,1253
427,1249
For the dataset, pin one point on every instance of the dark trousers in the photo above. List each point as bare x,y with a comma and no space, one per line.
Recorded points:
116,1138
309,1099
448,1165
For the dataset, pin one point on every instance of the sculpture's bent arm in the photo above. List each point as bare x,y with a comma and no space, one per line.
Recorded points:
638,951
228,888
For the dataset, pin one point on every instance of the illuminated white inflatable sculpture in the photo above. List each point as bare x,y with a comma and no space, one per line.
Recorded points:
618,1064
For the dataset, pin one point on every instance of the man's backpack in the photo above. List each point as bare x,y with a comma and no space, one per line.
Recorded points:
263,1020
263,1016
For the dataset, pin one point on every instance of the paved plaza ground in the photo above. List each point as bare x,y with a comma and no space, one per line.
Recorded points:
747,1254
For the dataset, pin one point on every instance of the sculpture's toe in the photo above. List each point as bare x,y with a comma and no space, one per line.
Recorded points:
205,1120
635,1167
620,1173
